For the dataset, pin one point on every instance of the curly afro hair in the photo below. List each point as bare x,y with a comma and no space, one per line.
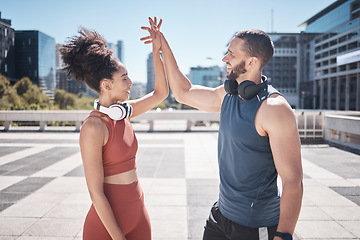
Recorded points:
88,58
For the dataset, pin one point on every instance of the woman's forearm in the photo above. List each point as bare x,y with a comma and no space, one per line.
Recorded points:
103,209
161,85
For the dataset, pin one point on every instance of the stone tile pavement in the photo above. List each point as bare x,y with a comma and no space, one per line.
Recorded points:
43,194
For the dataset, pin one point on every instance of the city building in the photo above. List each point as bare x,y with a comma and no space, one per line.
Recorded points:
35,57
287,69
336,73
206,76
117,50
150,84
63,81
120,51
7,49
137,90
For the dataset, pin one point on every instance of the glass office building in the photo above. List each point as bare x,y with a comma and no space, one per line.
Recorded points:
35,56
336,74
206,76
7,49
288,68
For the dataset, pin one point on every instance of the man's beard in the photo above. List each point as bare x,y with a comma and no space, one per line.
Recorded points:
237,71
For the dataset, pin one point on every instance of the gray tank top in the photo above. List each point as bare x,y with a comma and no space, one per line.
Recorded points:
248,193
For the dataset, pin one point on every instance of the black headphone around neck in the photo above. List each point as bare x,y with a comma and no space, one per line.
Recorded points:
117,111
246,89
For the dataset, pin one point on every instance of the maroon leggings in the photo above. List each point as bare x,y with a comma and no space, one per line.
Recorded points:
127,203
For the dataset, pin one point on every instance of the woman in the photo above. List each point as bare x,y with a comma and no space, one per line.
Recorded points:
107,141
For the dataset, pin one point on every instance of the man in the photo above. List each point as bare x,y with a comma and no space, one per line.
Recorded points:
258,139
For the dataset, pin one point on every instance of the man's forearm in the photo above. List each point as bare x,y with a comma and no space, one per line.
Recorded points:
290,205
177,80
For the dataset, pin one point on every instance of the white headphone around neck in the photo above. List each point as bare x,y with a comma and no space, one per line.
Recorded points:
116,111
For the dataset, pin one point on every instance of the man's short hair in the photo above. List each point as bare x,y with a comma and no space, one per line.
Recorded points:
257,44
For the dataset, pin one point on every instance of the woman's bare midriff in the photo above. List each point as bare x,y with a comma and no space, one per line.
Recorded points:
122,178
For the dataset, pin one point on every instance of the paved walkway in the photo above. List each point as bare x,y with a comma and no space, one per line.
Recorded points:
43,193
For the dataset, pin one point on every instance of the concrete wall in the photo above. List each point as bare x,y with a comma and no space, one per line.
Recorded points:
340,127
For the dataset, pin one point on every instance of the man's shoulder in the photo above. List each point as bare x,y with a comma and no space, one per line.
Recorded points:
275,108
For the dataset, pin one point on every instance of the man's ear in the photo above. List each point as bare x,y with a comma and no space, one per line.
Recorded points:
254,62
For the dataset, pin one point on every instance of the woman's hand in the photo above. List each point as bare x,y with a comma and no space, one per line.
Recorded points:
155,34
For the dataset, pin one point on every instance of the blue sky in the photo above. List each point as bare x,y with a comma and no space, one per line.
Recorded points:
197,30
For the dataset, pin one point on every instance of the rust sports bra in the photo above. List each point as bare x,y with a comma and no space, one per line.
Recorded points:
120,150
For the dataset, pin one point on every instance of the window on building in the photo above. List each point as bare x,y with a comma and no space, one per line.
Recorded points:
352,35
353,65
355,9
13,41
29,41
355,5
325,54
333,51
5,67
317,48
29,60
324,46
326,36
342,49
355,15
342,39
352,45
6,53
5,32
342,68
333,42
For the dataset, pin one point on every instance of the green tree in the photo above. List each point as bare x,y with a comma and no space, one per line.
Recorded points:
24,95
23,85
85,102
65,100
30,96
4,86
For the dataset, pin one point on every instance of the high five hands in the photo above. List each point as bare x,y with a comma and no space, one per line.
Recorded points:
154,31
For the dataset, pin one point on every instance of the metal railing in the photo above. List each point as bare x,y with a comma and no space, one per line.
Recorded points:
334,126
310,124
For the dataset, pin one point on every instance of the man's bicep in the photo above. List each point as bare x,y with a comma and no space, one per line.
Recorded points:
285,144
205,98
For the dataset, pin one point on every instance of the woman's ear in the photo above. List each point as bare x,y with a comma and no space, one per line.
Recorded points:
105,84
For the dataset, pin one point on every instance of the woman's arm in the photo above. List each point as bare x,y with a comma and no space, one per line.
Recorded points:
201,97
92,138
161,90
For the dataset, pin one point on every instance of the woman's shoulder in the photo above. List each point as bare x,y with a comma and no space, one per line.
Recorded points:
94,124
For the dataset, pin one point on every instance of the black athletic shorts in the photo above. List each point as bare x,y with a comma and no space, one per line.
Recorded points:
219,227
